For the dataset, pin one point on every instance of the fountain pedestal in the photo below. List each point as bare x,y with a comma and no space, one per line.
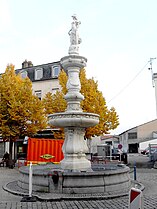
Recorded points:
74,150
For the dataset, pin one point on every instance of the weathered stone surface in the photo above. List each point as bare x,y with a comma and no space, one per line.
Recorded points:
56,180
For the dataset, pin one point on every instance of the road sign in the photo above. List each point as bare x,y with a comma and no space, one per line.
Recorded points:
135,199
120,146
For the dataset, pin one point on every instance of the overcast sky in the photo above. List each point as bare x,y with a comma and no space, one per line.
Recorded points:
118,38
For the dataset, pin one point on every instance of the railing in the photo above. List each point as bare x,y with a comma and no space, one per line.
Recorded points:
118,158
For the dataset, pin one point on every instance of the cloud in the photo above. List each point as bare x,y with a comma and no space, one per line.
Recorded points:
5,19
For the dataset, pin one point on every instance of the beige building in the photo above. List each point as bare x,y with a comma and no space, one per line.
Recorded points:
130,139
44,77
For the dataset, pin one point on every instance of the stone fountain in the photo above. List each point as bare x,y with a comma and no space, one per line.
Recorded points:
74,120
75,174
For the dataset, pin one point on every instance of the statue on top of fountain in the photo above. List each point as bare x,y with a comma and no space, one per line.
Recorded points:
75,40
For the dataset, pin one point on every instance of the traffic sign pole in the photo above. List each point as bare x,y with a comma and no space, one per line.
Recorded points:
120,154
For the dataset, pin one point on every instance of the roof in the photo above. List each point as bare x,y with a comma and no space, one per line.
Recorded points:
105,137
47,71
137,126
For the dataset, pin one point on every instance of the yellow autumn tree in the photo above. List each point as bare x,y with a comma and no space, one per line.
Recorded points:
21,112
93,102
53,104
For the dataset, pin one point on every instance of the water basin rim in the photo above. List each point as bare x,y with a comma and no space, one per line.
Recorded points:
74,113
46,172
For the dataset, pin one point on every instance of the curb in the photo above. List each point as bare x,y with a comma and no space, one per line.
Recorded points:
60,197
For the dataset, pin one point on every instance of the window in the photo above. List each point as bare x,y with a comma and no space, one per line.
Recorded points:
55,71
132,135
38,94
38,73
23,74
54,90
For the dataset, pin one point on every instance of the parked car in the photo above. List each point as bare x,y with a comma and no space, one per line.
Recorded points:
145,151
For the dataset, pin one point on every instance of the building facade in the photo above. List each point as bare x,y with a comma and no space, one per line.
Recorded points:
44,77
131,139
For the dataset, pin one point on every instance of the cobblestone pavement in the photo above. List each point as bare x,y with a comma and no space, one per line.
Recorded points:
7,175
99,204
118,203
148,177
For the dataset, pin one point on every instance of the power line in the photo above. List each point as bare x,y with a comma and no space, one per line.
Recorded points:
123,89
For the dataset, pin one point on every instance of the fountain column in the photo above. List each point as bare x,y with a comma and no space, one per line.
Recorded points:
75,147
74,120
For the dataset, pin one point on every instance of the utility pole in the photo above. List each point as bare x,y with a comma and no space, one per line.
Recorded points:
154,79
151,69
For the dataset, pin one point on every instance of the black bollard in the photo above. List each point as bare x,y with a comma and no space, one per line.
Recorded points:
135,171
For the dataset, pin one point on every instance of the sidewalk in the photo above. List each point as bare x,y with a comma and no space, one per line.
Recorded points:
141,161
7,175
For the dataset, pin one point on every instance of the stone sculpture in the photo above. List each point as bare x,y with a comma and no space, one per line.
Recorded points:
75,40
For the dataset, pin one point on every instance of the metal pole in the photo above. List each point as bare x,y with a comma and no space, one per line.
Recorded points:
30,179
135,171
110,153
120,157
151,69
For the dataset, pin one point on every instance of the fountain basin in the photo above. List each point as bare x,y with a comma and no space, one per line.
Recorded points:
104,180
74,119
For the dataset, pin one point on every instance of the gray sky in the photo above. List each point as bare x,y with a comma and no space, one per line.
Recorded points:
118,39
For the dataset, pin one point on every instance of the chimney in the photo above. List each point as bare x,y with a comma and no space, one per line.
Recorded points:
26,64
30,64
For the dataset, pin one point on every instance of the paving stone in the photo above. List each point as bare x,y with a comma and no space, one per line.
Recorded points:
122,203
14,205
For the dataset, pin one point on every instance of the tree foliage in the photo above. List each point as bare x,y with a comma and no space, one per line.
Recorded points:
53,104
21,112
93,102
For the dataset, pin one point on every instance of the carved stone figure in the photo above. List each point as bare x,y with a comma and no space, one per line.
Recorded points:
74,35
